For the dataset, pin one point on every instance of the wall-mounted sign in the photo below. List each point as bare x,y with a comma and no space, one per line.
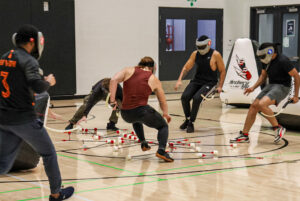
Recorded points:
290,27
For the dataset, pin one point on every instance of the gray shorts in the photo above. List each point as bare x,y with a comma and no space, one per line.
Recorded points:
276,92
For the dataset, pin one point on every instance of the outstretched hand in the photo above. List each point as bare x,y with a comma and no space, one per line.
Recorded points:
177,85
248,91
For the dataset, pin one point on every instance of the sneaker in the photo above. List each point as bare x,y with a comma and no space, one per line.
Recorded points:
190,127
69,127
145,146
65,193
184,125
279,132
164,155
111,126
241,138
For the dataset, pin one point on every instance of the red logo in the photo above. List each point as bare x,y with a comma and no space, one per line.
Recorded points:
242,70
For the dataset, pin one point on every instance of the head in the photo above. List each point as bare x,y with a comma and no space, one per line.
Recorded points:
267,51
147,62
203,44
29,38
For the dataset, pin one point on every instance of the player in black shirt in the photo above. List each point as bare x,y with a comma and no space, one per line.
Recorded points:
99,92
208,62
279,70
19,79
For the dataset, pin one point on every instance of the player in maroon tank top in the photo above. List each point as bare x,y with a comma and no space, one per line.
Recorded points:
139,82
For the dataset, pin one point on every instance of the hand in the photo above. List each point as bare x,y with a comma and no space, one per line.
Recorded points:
248,91
114,104
81,120
168,118
295,99
51,79
219,90
177,85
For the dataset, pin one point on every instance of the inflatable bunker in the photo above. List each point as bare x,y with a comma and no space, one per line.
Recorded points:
242,71
27,157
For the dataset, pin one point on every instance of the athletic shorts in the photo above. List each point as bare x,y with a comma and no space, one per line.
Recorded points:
276,92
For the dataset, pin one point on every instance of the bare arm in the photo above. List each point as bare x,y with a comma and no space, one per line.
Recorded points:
156,86
115,80
186,68
295,74
221,69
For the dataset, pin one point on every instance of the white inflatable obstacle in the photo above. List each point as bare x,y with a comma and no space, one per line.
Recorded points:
242,72
290,116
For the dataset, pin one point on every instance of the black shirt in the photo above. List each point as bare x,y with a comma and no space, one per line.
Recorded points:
204,73
19,79
278,71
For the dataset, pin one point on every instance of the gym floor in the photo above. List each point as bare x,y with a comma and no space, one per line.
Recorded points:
206,167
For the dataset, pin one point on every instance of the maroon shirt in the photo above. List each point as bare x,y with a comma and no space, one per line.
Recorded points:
136,90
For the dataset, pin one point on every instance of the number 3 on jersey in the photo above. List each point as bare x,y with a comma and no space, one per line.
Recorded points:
5,94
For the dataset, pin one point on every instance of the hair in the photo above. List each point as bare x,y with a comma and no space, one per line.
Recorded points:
202,38
105,83
25,33
265,45
146,61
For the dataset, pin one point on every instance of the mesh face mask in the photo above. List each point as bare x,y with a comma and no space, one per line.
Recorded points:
265,55
203,46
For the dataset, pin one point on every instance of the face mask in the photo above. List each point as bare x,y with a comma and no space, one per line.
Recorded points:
37,53
203,46
265,55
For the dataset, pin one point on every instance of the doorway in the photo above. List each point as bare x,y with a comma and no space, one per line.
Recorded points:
178,30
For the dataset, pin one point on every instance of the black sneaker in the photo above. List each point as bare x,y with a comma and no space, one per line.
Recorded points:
164,155
69,127
241,138
279,132
190,127
65,193
184,125
145,146
111,126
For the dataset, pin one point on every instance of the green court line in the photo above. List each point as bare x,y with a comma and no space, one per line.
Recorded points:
146,182
207,164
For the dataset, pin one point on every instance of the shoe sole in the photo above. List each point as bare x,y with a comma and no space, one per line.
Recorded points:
164,158
243,141
146,149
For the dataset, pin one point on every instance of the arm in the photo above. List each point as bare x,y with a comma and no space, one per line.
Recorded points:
159,92
118,77
221,69
260,81
186,68
295,75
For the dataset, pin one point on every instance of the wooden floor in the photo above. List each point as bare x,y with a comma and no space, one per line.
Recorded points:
260,170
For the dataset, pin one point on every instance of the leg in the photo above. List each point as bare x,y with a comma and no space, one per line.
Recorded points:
187,96
197,99
264,104
139,130
9,147
251,116
36,136
79,113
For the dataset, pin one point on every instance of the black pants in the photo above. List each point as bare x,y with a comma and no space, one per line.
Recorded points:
151,118
194,91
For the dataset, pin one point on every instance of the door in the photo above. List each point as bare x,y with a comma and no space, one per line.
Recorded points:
278,25
178,30
57,22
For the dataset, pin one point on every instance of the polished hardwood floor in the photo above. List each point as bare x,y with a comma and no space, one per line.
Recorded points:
206,167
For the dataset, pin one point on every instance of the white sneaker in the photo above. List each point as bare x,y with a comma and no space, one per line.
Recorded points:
279,132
